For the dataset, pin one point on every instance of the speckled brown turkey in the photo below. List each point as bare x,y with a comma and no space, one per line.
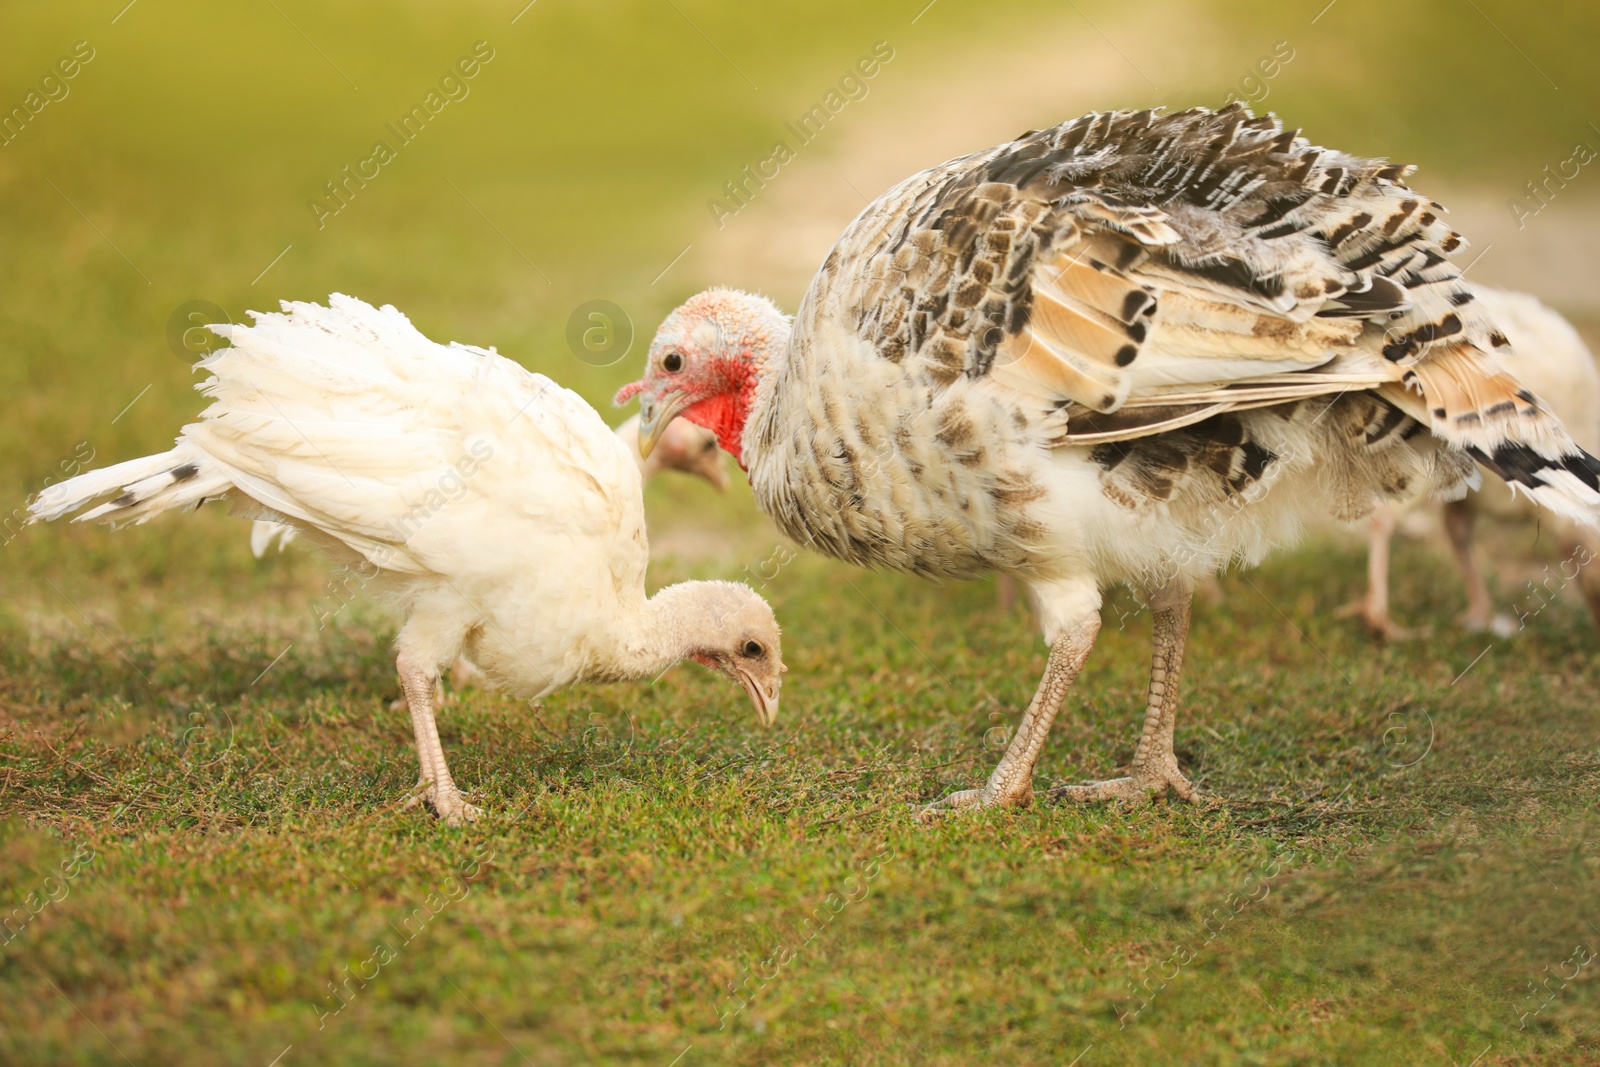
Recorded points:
1131,348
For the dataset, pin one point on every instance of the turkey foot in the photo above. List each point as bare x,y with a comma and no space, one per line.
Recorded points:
982,798
1011,783
1375,620
452,808
1373,607
1155,767
1133,788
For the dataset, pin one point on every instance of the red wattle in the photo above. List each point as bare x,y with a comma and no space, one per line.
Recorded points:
724,413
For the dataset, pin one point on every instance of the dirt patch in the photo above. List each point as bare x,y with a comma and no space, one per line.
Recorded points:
934,102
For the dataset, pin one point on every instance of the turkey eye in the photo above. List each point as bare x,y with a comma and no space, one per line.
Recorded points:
752,649
672,362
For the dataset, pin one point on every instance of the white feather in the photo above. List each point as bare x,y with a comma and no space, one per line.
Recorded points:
492,503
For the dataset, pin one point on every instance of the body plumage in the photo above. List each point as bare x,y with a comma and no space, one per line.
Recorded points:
1131,348
492,505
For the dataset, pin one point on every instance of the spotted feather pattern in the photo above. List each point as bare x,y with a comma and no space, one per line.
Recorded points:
1136,276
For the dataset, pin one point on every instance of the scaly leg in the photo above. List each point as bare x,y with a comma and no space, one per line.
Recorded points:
1155,766
1373,608
421,687
1459,517
1011,784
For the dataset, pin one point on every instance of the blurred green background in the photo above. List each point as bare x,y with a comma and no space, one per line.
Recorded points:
229,887
181,163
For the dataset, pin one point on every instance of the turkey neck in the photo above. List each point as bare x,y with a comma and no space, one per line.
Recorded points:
729,412
661,631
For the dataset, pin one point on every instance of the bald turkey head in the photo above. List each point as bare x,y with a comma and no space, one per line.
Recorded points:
704,364
683,446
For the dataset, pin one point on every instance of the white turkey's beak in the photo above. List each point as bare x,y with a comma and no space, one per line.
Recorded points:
654,416
766,703
717,474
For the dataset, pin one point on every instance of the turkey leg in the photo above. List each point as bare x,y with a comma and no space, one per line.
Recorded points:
1011,784
421,686
1155,766
1459,519
1373,608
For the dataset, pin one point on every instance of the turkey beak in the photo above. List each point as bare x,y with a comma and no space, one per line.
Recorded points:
765,698
718,472
654,416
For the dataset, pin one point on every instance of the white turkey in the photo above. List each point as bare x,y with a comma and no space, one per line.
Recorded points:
1131,348
1546,355
494,506
683,447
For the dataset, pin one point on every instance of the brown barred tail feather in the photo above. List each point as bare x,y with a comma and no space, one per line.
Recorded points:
1479,408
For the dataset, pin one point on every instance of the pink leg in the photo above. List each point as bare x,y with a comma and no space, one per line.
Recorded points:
421,688
1373,608
1011,784
1459,518
1155,765
1005,592
1582,547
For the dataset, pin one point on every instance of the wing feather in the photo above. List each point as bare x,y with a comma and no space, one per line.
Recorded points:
1188,264
347,421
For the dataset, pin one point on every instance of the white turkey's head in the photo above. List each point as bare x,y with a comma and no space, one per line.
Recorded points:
705,363
728,627
683,447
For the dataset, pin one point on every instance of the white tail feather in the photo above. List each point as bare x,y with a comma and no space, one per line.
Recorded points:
145,487
264,531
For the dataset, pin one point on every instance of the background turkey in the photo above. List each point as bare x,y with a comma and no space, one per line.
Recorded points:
1547,355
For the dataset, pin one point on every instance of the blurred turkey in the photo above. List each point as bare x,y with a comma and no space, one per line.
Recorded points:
493,506
1547,355
1131,348
684,447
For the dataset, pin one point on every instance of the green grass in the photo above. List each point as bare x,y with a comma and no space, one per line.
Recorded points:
229,775
648,845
